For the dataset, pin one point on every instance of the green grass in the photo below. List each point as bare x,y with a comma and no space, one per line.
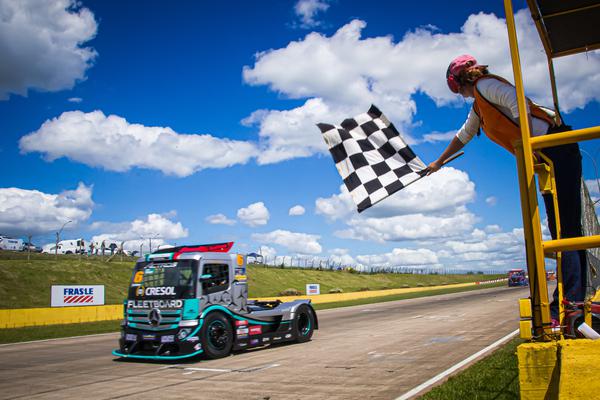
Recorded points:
26,283
495,377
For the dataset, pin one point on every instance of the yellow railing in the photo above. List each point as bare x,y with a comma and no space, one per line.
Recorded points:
536,249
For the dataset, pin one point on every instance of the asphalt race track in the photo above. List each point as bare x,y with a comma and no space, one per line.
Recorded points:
375,351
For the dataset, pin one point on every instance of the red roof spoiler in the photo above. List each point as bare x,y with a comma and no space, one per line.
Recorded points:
203,248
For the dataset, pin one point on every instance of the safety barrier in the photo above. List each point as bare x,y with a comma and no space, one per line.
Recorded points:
17,318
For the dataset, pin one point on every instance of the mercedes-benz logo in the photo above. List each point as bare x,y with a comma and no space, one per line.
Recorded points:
154,317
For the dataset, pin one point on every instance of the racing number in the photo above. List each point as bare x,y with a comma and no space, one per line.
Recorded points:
138,277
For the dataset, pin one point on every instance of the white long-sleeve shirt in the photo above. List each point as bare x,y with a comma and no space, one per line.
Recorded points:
504,96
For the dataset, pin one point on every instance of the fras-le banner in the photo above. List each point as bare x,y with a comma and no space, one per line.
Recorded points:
77,295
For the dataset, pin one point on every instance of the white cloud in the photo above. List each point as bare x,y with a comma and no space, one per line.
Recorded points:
24,212
156,227
410,226
445,190
307,11
339,79
491,201
438,137
220,219
40,45
74,99
297,210
267,252
114,144
301,243
254,215
401,258
508,247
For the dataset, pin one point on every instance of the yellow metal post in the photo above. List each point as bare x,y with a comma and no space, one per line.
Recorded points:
529,205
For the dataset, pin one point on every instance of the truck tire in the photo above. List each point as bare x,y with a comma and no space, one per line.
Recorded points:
304,323
216,335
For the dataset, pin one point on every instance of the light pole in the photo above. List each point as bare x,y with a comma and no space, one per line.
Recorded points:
58,238
153,236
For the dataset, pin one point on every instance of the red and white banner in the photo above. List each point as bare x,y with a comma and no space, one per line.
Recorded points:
75,295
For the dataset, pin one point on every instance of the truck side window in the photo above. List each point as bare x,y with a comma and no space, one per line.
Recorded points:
219,279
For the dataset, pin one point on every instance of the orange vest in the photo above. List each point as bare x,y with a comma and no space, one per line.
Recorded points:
497,126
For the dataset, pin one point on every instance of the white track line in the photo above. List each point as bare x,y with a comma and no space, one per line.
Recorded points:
62,338
456,367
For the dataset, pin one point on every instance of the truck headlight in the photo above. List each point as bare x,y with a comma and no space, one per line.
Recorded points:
183,333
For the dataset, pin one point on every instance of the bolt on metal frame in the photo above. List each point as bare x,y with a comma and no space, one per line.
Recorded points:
536,248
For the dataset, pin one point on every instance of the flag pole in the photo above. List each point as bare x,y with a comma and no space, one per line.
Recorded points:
446,161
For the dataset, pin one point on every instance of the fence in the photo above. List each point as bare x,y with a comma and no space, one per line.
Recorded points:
289,262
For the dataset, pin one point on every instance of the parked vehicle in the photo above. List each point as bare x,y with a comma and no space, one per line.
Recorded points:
31,247
71,246
8,243
190,300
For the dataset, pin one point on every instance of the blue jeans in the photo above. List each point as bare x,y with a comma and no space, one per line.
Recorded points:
567,170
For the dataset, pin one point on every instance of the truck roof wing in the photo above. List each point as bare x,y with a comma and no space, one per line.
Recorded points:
198,248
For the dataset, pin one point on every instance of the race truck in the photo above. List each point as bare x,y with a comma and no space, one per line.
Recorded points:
517,277
191,300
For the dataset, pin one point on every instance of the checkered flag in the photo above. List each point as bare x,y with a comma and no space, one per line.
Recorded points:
371,156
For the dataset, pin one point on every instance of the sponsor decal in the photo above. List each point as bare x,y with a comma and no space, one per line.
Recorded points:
240,323
167,339
130,337
75,295
160,291
266,339
193,339
253,342
313,288
255,330
288,335
242,344
148,337
198,346
242,331
148,304
139,291
277,338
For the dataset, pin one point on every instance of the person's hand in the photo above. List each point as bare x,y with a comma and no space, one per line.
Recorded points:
434,166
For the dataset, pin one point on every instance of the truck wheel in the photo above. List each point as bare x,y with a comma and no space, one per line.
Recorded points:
304,323
216,335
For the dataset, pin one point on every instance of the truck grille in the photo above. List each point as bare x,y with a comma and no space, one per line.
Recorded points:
154,319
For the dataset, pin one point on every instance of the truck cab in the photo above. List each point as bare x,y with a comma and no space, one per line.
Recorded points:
192,300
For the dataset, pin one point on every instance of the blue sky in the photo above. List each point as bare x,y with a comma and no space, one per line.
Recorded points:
194,122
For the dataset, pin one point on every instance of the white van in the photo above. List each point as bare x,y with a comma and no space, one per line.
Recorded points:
7,243
72,246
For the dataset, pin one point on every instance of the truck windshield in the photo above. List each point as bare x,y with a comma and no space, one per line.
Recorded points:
172,280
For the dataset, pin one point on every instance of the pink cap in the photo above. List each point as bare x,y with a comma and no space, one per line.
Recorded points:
455,68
